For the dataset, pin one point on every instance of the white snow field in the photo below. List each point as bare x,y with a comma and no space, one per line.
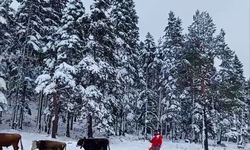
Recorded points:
118,143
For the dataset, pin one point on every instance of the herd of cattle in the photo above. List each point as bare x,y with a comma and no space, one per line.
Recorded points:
11,139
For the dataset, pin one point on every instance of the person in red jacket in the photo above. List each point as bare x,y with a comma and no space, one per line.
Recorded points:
156,141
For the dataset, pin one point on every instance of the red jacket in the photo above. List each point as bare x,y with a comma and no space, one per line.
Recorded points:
156,141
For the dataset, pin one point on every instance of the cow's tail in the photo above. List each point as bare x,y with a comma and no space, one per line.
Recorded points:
21,144
65,147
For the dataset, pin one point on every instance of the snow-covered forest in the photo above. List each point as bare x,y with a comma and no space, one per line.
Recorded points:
67,72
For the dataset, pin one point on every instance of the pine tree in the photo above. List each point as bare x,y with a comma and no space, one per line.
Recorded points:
247,98
70,44
230,98
6,19
20,52
172,48
57,74
222,99
200,54
3,88
148,96
238,92
100,54
101,31
6,24
125,20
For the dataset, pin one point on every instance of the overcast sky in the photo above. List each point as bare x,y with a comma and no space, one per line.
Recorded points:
231,15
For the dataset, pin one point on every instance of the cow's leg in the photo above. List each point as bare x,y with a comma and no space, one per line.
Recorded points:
1,148
15,146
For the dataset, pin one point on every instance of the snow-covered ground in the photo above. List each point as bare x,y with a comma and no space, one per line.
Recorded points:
119,143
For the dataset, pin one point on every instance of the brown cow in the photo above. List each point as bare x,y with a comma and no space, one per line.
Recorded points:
48,145
8,139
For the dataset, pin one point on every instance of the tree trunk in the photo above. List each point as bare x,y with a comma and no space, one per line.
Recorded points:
174,131
46,117
48,125
205,131
55,118
159,111
116,125
14,115
1,115
90,131
166,129
20,120
121,122
39,114
193,105
145,121
137,128
71,122
68,125
123,125
219,134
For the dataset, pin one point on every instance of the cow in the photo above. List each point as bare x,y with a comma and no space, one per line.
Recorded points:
8,139
48,145
94,144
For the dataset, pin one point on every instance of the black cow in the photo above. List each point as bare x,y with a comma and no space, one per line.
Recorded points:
48,145
94,144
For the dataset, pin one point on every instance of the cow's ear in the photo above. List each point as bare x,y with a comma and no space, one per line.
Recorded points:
84,138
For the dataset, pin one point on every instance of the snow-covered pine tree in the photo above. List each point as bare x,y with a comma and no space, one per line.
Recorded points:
148,97
172,49
224,102
6,19
17,79
56,79
57,74
99,64
247,99
101,30
23,52
238,94
200,54
3,88
6,24
91,73
70,45
125,20
225,54
231,115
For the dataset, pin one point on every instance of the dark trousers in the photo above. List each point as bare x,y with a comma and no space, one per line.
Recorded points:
156,148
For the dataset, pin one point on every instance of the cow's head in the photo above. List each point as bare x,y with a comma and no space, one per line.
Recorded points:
81,142
34,145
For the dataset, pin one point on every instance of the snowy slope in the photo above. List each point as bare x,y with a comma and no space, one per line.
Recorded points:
118,143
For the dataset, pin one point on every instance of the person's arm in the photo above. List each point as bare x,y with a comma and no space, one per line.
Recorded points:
151,141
